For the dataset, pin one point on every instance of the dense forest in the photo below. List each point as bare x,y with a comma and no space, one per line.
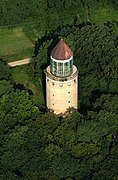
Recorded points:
36,144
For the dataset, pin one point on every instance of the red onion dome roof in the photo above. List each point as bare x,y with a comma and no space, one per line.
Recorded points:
61,51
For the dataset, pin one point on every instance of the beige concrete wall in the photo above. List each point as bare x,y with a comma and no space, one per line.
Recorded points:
60,95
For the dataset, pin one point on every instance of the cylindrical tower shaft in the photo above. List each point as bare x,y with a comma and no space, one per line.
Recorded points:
61,93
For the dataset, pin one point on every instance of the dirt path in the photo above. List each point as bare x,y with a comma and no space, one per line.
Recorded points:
19,63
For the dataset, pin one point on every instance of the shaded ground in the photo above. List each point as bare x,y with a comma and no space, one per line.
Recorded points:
21,77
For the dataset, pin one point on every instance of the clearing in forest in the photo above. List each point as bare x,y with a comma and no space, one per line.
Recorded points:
103,14
14,44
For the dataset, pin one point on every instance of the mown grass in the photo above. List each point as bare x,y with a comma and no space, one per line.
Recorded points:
98,14
14,44
102,14
20,76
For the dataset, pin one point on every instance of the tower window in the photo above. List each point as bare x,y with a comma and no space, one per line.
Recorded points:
53,83
68,92
60,85
74,80
68,101
53,104
47,79
53,94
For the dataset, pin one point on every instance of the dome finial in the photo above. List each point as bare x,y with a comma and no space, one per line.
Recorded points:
61,51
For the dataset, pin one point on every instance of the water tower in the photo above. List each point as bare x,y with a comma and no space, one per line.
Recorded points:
61,80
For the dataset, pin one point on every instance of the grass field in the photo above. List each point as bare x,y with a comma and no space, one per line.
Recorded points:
103,14
14,44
